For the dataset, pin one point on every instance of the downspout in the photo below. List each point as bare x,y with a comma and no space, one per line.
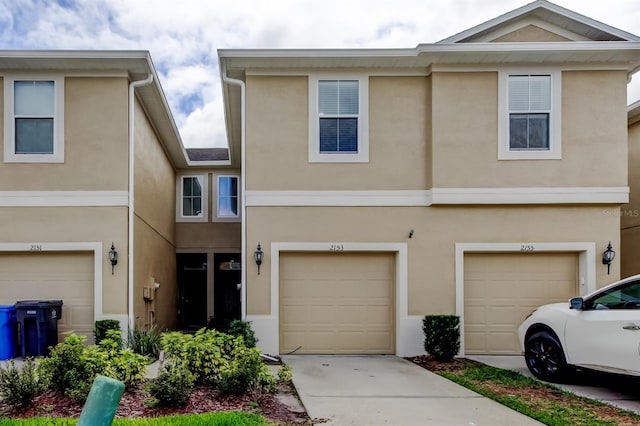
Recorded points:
132,87
243,186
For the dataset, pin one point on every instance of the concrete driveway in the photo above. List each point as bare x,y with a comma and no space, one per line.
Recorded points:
619,391
387,390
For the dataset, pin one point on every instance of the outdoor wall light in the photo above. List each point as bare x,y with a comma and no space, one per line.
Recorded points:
607,257
113,257
258,255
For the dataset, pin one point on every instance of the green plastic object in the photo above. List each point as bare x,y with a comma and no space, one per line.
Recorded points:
102,402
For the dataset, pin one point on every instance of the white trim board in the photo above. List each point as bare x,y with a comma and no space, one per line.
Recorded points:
407,327
64,198
43,247
408,198
586,265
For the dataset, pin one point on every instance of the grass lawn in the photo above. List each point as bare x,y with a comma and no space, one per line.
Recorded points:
227,418
545,403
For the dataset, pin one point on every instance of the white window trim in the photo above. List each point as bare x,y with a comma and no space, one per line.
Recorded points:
555,122
204,216
10,155
216,217
362,156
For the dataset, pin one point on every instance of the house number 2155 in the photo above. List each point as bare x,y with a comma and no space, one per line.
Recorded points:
527,247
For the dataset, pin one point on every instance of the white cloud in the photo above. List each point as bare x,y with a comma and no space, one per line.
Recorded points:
183,37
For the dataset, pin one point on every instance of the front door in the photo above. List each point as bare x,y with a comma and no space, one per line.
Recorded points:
226,289
192,282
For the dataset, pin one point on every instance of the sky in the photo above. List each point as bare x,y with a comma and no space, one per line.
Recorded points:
183,36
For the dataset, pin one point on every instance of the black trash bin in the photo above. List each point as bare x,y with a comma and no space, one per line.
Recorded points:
38,323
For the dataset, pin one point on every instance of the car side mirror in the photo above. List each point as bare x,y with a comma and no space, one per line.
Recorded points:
576,303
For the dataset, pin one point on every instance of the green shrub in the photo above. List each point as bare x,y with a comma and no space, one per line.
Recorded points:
442,336
244,372
101,327
72,366
243,328
203,352
145,342
284,373
218,359
173,386
19,386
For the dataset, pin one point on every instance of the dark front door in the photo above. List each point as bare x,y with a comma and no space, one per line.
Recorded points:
192,282
226,289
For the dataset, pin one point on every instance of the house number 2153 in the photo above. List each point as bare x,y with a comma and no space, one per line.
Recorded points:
336,247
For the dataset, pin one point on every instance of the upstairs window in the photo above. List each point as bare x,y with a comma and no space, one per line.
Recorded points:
228,200
338,128
33,120
529,112
192,198
529,115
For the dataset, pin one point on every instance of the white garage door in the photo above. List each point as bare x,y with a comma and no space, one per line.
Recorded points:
337,303
500,290
52,276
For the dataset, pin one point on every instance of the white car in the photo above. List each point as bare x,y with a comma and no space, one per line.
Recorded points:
600,331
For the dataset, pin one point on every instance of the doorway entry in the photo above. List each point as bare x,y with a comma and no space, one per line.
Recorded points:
192,284
226,289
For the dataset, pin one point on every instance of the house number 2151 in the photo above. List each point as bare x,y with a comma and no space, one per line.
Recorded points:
35,247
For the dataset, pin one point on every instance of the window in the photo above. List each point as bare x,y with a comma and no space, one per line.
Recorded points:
529,116
193,199
228,200
338,128
620,297
33,119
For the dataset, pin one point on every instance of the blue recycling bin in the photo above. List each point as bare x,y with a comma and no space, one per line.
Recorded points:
7,332
38,323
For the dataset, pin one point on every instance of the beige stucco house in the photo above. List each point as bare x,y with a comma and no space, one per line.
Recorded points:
630,213
480,176
92,158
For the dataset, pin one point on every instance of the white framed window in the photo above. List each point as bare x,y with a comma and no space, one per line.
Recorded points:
192,199
529,109
227,199
338,118
33,119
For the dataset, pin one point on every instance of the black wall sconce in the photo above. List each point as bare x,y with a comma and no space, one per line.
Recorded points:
258,256
113,257
607,257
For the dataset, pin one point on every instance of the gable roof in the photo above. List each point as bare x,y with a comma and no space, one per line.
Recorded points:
208,154
548,12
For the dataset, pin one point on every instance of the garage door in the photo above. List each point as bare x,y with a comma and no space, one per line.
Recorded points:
337,303
500,290
51,275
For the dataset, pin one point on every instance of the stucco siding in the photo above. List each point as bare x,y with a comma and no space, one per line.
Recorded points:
155,262
154,186
530,33
95,124
465,134
630,213
278,137
431,250
77,224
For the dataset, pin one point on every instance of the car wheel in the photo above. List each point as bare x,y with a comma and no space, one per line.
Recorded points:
545,358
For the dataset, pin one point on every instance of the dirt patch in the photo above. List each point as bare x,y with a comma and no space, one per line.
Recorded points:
135,403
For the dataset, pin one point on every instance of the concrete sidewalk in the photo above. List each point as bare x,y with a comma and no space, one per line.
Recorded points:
387,390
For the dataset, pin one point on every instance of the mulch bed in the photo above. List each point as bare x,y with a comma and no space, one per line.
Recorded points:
135,403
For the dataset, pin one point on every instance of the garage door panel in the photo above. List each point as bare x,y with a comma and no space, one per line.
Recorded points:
500,290
337,303
52,276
